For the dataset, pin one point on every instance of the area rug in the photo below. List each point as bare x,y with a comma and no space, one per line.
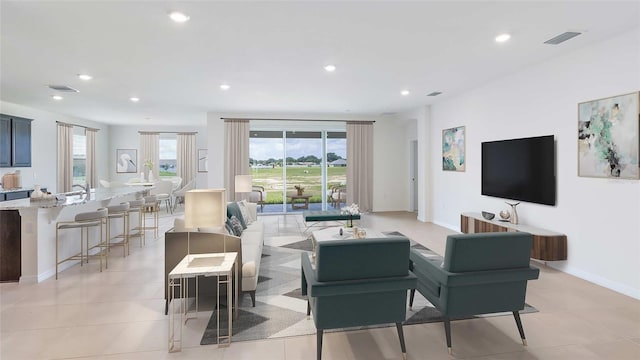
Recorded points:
280,309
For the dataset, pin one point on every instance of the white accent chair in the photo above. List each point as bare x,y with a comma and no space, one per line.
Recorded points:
163,192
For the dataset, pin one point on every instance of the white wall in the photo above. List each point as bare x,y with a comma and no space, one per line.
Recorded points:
600,217
127,137
44,145
390,157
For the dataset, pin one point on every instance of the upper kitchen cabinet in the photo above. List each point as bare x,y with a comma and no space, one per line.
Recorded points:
15,141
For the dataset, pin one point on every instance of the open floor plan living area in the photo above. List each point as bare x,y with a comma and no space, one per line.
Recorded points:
299,180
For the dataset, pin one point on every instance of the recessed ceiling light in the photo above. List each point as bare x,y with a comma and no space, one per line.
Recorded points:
56,97
502,38
405,92
179,17
330,68
85,77
134,99
225,86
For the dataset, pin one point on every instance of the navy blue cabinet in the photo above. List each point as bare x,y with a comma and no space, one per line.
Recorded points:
15,141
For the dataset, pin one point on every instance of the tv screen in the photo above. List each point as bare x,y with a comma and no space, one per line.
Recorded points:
520,169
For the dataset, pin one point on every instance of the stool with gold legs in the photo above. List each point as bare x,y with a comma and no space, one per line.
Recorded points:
83,221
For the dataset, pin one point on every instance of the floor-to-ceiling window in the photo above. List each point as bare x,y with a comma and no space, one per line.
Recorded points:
299,166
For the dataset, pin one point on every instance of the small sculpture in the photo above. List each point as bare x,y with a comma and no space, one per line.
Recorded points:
504,214
514,213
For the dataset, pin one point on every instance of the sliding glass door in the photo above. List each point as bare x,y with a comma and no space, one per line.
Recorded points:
298,170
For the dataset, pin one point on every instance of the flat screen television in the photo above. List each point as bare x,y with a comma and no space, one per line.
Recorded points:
520,169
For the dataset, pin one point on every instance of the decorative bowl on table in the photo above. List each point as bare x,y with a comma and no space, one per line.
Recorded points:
487,215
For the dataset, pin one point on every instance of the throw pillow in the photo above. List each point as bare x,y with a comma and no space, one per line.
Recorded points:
235,225
233,209
246,214
228,228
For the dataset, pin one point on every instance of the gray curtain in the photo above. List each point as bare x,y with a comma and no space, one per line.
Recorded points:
360,164
92,178
236,159
65,158
186,162
149,150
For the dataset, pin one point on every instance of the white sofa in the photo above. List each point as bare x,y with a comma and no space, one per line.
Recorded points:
248,246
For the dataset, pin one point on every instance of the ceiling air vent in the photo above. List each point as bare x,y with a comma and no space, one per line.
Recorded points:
562,38
435,93
63,88
388,113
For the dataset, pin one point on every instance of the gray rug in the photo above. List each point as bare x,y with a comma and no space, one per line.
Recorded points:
280,307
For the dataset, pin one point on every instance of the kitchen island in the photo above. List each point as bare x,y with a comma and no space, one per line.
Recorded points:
37,229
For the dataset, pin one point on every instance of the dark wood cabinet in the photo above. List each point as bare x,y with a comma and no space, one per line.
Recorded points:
15,141
10,246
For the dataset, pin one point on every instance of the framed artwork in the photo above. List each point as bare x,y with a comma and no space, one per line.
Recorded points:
453,144
126,160
203,156
609,137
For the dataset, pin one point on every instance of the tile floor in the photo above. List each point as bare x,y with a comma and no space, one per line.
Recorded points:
118,314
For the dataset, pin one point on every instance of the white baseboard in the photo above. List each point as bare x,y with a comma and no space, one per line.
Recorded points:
596,279
448,226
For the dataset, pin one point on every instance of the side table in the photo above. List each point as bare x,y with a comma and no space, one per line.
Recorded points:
219,265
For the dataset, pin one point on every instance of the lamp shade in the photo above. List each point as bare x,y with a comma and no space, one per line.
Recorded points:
243,183
204,208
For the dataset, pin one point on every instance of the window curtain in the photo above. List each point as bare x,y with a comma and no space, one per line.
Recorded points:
236,160
65,158
92,178
149,150
186,163
360,164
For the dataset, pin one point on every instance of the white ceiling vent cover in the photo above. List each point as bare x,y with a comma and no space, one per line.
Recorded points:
562,38
63,88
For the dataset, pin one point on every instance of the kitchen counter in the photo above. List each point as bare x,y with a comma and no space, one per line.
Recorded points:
38,227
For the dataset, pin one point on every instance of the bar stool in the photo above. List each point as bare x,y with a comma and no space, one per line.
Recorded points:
152,207
136,206
118,212
83,221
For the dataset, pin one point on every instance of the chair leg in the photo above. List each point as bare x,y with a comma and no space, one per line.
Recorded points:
401,337
447,331
253,297
412,293
319,343
516,316
308,308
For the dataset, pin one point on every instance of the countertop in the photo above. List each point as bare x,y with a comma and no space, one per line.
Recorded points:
100,194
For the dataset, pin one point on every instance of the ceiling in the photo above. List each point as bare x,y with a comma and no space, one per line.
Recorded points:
272,54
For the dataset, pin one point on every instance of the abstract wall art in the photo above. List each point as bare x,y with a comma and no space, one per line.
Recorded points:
609,137
453,143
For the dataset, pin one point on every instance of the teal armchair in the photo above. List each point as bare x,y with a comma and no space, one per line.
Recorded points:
481,273
357,283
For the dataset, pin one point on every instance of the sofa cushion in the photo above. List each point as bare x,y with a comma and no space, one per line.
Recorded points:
246,213
233,209
235,225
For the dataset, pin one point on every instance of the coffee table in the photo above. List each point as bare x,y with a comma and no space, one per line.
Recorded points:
333,233
322,216
192,266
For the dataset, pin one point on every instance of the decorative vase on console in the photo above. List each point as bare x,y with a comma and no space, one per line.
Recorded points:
514,213
37,193
151,176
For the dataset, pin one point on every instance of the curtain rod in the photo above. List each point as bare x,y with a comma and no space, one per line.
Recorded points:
168,132
362,121
82,126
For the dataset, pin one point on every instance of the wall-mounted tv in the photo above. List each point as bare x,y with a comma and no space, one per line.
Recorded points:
520,169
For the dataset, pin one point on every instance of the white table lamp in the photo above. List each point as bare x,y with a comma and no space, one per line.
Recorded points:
205,208
243,184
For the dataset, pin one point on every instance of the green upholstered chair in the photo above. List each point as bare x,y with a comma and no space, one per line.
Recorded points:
357,283
481,273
